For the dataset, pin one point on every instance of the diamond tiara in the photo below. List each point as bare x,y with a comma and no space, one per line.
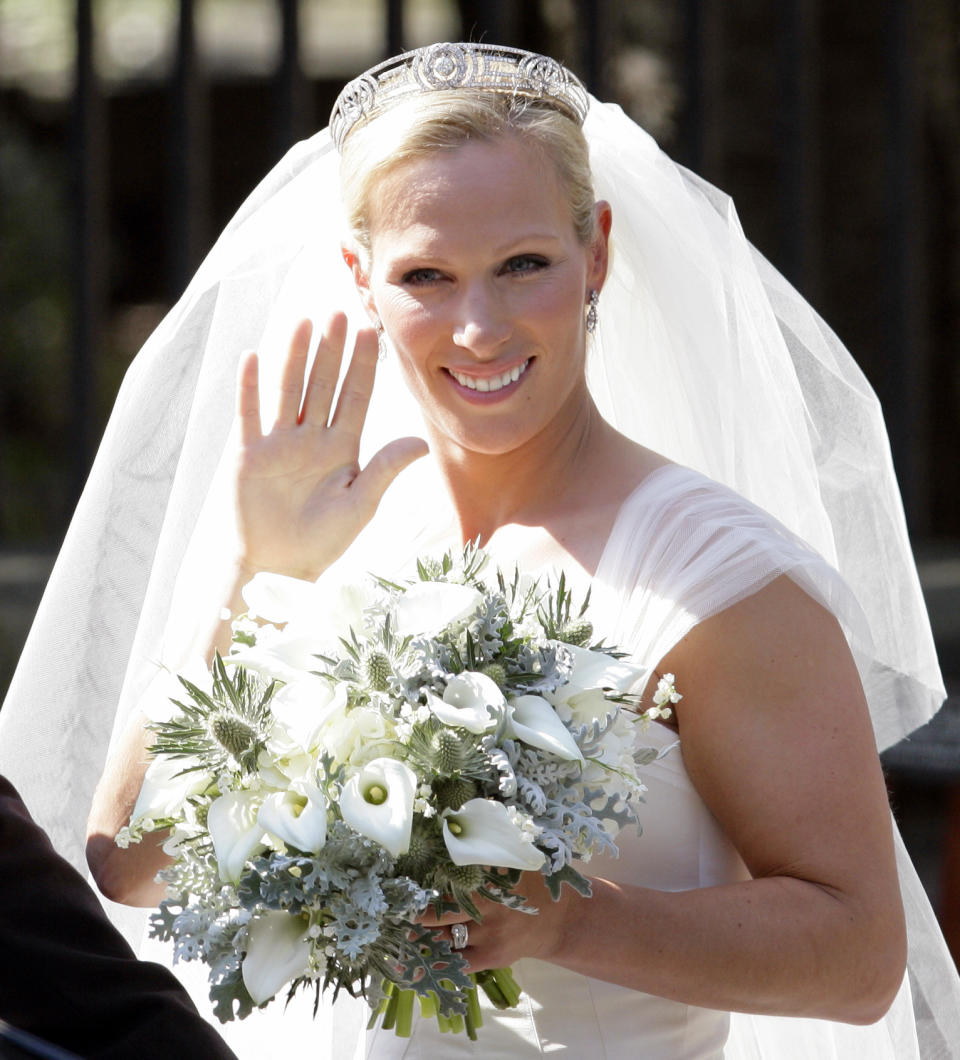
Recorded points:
485,67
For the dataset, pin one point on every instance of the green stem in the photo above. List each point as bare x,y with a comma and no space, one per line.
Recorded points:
500,987
390,1012
474,1018
404,1026
508,985
388,989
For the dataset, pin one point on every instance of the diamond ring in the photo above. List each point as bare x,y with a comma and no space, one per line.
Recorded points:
459,935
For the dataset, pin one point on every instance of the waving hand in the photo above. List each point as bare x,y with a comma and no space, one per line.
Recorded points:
301,495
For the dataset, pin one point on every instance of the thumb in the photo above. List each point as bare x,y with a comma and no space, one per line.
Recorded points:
385,465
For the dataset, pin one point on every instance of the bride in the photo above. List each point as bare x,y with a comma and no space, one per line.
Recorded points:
578,366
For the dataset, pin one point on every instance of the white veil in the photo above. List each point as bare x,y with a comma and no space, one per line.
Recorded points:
703,353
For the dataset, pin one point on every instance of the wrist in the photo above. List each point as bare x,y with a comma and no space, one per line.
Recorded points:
246,567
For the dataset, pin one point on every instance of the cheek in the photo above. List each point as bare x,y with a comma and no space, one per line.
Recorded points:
406,319
556,302
414,332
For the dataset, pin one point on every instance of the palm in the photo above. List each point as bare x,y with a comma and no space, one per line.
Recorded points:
301,495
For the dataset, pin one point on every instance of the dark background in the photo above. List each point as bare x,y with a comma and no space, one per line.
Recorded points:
130,131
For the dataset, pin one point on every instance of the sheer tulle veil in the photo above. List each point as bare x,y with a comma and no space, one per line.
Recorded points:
703,352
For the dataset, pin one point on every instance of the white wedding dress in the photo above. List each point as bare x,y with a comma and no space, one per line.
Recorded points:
682,548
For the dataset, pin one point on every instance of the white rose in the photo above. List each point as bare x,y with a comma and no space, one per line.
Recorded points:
353,735
301,711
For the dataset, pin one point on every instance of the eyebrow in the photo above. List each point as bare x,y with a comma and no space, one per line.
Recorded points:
516,243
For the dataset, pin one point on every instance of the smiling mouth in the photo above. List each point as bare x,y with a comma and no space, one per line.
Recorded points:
496,382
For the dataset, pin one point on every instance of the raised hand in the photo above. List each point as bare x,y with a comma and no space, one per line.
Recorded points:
301,495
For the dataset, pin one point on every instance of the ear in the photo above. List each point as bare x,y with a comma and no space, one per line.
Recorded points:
599,250
353,257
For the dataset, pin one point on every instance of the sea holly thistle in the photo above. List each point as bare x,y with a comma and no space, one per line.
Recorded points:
466,570
226,725
554,613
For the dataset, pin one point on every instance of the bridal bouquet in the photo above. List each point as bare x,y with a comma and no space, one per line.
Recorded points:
368,752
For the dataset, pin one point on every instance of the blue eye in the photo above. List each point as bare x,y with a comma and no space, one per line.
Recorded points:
418,277
525,263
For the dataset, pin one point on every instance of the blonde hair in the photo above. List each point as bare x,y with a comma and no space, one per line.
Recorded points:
441,120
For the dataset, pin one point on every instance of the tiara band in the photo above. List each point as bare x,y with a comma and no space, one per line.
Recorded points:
484,67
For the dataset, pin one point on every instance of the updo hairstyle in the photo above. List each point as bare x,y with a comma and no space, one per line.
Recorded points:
440,120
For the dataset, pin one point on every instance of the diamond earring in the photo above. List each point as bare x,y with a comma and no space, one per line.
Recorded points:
592,315
381,343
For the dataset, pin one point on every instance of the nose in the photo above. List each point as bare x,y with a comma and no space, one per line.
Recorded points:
482,327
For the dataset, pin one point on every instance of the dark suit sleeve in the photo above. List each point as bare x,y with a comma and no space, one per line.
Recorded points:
67,975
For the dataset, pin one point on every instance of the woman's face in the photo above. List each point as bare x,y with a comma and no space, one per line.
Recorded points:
480,281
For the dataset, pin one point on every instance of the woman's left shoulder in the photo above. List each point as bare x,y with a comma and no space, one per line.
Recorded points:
679,531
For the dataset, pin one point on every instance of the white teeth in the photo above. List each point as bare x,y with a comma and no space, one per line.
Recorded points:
498,382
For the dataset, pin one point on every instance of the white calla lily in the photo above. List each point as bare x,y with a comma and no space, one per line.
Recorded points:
582,707
278,597
157,703
428,608
284,654
297,816
166,787
235,831
581,700
378,803
315,615
466,700
534,721
596,669
278,951
483,832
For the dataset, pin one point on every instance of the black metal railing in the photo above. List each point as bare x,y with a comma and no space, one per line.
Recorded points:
898,371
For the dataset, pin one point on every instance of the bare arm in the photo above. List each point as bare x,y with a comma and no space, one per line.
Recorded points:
301,499
777,739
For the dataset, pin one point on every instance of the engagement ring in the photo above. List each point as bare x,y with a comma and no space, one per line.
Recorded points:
459,934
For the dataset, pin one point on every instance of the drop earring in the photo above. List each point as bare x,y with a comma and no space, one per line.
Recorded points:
592,315
381,342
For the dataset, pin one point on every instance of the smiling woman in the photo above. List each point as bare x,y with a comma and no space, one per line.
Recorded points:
477,273
760,913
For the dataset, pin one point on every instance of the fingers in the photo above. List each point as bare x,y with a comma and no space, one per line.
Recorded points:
357,384
324,373
291,381
248,399
430,919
